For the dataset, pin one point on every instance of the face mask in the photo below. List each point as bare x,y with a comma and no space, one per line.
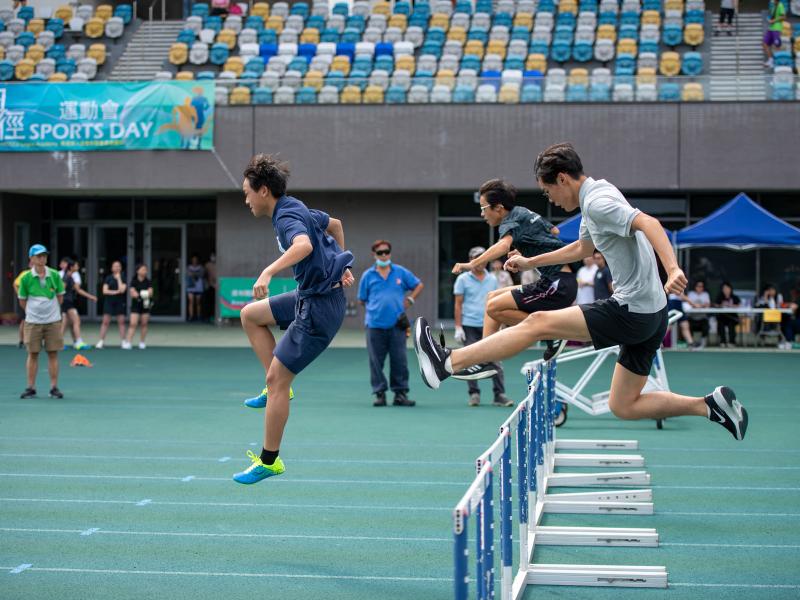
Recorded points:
383,263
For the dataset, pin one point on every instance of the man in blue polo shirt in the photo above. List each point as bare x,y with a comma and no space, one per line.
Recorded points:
470,292
312,245
382,289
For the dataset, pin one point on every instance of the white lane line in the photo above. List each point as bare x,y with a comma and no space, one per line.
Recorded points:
18,569
90,531
356,507
447,580
367,538
188,478
222,460
759,546
769,586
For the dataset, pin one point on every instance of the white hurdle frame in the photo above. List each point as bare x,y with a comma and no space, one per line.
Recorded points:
530,428
597,404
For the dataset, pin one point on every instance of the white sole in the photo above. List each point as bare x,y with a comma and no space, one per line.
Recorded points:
561,347
426,370
476,377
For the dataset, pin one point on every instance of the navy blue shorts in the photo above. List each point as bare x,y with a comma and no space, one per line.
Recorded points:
310,324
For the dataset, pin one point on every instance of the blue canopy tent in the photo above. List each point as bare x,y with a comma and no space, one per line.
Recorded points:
741,224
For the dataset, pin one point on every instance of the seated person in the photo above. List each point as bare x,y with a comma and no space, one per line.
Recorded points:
698,298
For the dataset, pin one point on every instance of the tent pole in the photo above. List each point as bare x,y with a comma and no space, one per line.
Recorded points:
758,270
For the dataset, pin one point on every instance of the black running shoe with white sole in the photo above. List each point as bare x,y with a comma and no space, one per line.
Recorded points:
554,348
430,355
479,371
725,409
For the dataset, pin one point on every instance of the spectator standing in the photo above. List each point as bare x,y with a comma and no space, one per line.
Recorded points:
772,36
698,298
470,292
20,310
603,285
503,277
585,277
195,284
382,290
727,323
141,292
727,12
69,309
41,291
114,292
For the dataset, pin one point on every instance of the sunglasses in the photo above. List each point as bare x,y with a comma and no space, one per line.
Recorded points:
383,252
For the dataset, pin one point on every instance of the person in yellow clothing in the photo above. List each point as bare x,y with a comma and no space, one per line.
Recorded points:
41,291
20,311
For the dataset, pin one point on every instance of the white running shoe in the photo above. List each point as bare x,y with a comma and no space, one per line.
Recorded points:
725,409
142,346
99,345
126,345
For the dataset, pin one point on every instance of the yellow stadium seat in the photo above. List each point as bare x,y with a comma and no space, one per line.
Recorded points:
35,53
673,5
275,22
446,77
227,37
440,20
184,76
239,95
2,52
405,63
94,28
373,94
692,92
509,93
457,34
399,21
235,64
579,76
341,64
497,47
98,53
474,48
351,94
646,75
178,53
63,12
651,17
24,69
536,62
313,79
796,47
260,9
36,26
607,32
524,20
787,29
382,8
57,77
568,6
309,36
670,64
104,11
693,34
627,46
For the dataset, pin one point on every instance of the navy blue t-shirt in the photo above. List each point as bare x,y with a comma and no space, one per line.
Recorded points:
318,272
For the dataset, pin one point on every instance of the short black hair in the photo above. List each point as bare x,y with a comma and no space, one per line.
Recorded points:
267,170
559,158
497,191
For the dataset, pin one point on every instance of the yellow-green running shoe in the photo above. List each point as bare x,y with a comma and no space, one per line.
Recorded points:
260,401
258,470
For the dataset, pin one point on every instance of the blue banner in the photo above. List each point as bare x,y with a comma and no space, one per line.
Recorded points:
49,117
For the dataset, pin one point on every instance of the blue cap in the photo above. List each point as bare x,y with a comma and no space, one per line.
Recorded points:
37,249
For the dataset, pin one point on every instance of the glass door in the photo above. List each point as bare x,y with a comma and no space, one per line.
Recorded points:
73,241
164,253
111,243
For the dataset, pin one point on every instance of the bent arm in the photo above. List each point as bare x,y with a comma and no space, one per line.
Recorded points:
301,247
336,231
577,250
499,249
654,233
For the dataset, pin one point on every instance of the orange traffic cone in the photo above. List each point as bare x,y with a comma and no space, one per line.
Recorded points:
80,361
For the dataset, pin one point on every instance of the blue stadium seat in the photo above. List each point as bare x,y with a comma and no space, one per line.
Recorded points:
307,51
206,76
436,34
262,95
629,32
418,20
2,25
25,13
483,6
539,48
566,20
504,19
6,70
782,91
607,18
384,62
56,52
432,48
219,53
669,92
600,92
395,95
66,66
692,64
471,62
26,39
187,36
329,35
514,63
625,65
781,58
56,26
531,92
341,8
464,94
356,22
249,81
402,8
346,49
563,35
200,10
299,64
694,16
351,35
651,5
546,6
534,77
316,22
214,23
255,66
358,78
124,12
560,51
384,49
672,35
463,6
306,95
254,22
629,18
491,78
582,51
577,93
36,77
588,6
519,32
336,79
651,47
362,63
265,50
423,78
268,36
300,8
478,34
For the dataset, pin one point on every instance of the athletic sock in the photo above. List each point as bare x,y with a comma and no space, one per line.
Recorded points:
268,456
448,365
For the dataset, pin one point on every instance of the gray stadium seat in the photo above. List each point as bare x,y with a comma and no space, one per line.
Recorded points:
88,66
604,50
392,35
6,14
441,94
401,79
492,62
284,95
319,63
84,12
195,23
544,21
76,52
46,67
609,6
418,94
542,36
361,8
15,53
76,24
115,27
207,36
646,92
499,33
378,22
336,22
280,9
269,79
320,9
276,65
554,93
512,76
247,51
647,60
328,95
227,79
78,77
482,21
505,6
403,48
220,96
526,6
374,35
379,78
632,6
287,49
649,33
326,49
46,39
448,62
468,78
518,48
453,48
623,92
7,39
162,76
486,94
248,36
415,36
289,36
15,26
294,23
460,20
445,7
198,55
365,49
427,62
292,79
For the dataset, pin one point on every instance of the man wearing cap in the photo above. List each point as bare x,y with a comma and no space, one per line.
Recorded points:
41,292
382,290
470,292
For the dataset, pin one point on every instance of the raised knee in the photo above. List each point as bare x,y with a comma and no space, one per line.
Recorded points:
621,409
245,315
492,306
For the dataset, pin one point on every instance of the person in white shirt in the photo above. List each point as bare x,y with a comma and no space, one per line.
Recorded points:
504,278
699,298
586,281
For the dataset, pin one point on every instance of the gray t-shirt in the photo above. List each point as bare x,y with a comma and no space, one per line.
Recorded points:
530,233
606,222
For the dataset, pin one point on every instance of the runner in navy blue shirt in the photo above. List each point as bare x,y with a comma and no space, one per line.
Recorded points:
312,244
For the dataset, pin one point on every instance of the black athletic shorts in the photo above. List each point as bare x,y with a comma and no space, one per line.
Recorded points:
547,294
638,335
113,307
137,306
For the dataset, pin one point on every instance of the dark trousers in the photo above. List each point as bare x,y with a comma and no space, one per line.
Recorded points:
475,334
727,329
700,325
379,343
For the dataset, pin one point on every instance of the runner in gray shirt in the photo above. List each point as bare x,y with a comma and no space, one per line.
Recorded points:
635,317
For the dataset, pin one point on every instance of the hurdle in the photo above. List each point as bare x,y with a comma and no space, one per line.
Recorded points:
597,404
528,435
